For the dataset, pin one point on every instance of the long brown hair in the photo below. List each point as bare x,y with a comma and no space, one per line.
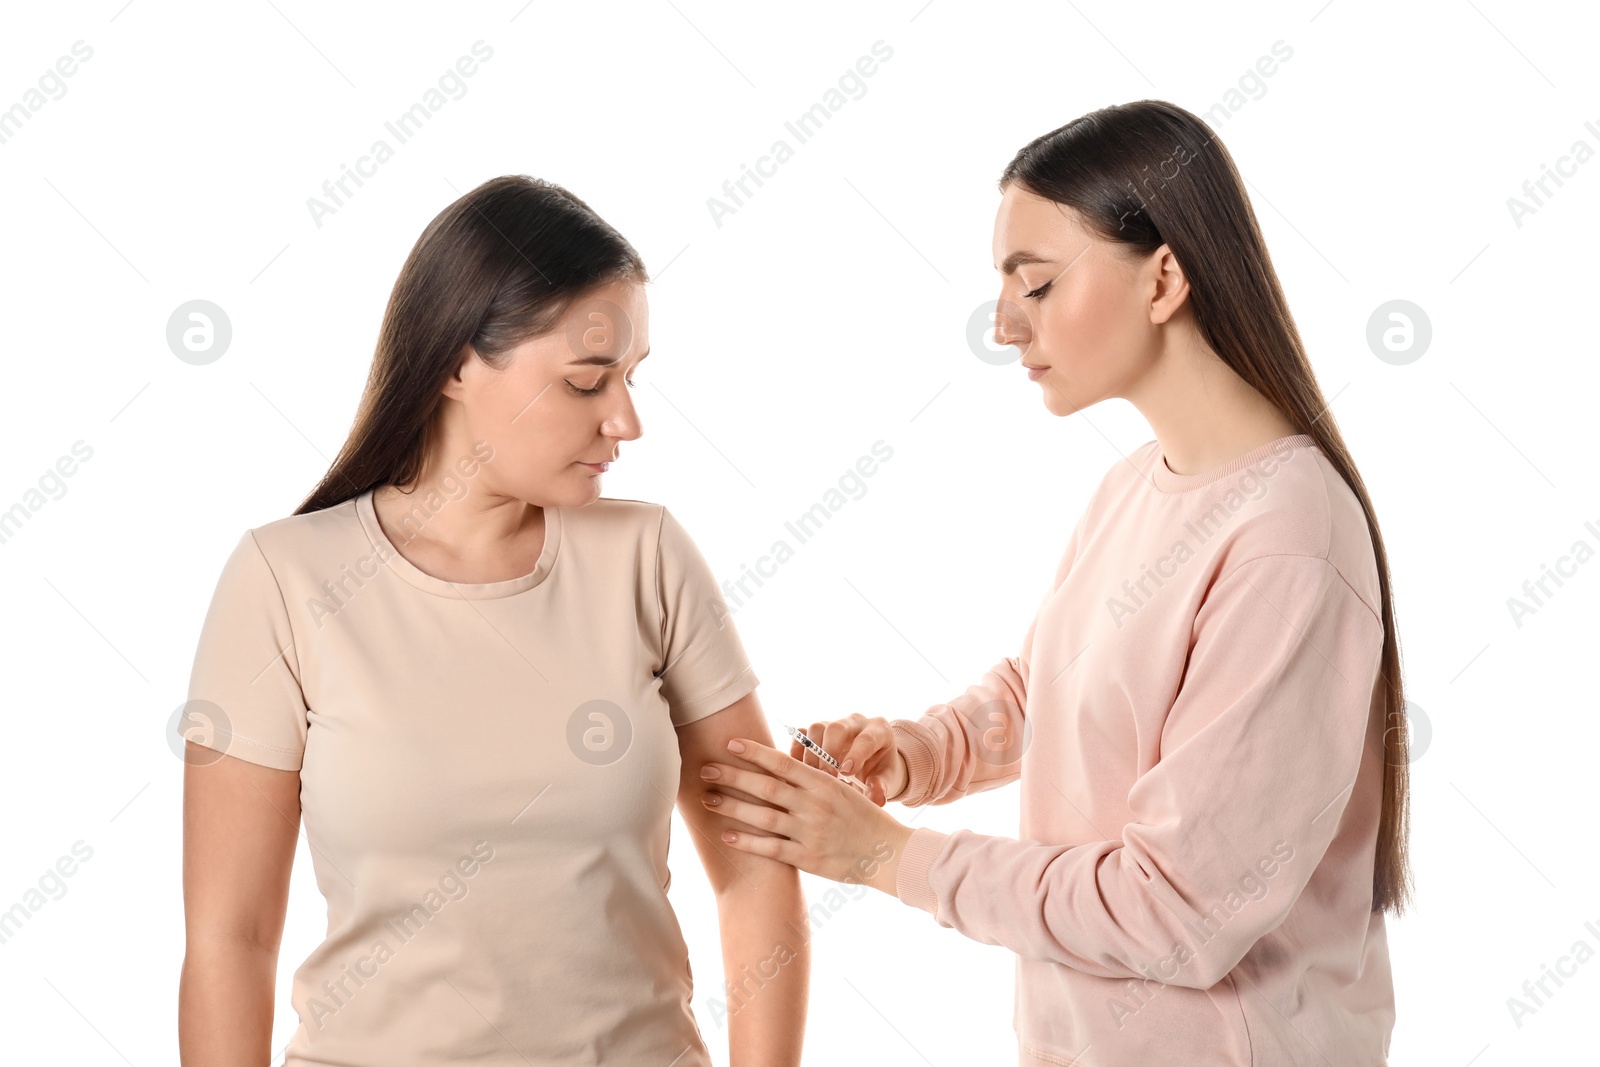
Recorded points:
1150,173
500,265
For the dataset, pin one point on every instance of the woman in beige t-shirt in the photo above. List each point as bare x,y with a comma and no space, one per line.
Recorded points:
484,685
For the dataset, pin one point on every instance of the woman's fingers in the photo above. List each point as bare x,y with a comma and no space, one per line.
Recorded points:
864,748
867,748
876,792
747,815
870,756
839,734
815,733
832,736
780,784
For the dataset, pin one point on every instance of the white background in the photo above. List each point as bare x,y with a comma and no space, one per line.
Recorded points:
827,313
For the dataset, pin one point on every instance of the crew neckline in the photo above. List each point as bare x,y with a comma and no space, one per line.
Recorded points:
1168,481
416,576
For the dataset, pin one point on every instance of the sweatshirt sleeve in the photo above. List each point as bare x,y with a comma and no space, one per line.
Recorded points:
1259,754
971,744
975,742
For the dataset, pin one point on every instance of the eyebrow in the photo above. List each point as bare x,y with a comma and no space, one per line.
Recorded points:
1017,259
600,361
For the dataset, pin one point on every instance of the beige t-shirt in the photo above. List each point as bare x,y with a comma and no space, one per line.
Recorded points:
487,778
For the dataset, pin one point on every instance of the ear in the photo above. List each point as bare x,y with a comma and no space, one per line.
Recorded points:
453,385
1171,286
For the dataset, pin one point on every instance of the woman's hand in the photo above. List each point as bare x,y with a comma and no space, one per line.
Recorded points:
825,827
864,747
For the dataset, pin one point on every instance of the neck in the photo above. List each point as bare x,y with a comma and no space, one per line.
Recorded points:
453,507
1202,412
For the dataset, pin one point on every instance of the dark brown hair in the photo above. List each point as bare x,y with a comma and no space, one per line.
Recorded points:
1150,173
500,265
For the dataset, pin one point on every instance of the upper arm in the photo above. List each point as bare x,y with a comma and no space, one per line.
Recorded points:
705,740
241,777
240,824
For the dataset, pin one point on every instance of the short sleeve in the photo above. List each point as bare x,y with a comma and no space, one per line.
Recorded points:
244,688
703,664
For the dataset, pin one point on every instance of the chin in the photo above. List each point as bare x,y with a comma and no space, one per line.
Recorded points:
561,493
592,489
1057,404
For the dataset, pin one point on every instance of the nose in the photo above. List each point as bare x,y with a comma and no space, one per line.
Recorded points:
622,421
1011,324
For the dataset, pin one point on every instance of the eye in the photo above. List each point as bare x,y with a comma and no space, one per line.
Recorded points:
1035,294
592,392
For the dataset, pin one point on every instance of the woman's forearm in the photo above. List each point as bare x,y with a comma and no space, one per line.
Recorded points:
225,996
766,958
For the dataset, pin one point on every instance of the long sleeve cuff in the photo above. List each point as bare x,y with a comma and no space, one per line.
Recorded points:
917,744
911,879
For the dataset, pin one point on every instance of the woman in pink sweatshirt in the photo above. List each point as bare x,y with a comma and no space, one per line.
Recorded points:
1206,714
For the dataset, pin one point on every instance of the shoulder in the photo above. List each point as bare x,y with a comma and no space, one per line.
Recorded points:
306,541
614,528
1347,539
1296,503
1292,502
616,510
625,513
612,519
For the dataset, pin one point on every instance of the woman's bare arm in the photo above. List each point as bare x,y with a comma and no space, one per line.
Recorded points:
240,824
766,956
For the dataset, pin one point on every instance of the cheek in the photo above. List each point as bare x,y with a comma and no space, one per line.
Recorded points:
1072,326
1090,323
523,421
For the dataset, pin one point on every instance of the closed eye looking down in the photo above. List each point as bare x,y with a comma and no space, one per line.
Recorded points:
592,392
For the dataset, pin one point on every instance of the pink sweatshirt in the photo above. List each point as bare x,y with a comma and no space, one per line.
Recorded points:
1194,719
